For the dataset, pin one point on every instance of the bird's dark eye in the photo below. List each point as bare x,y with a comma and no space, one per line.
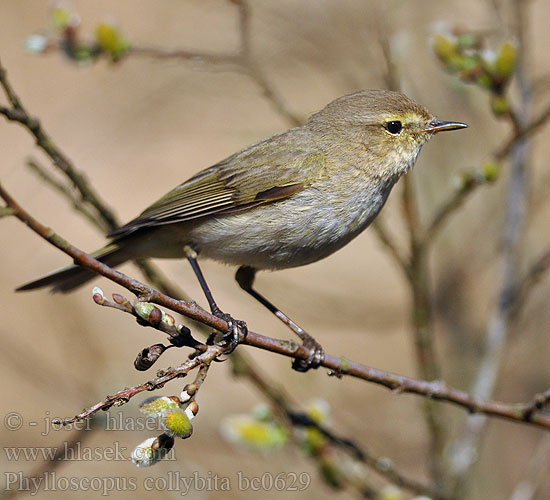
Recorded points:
394,127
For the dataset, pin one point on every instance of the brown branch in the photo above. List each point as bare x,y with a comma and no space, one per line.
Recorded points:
106,219
473,182
124,396
251,68
523,133
448,208
423,326
67,193
203,58
337,365
392,247
19,114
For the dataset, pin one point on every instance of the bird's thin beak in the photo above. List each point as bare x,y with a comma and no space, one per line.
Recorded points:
439,126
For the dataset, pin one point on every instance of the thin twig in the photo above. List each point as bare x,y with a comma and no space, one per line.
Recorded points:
450,207
124,396
525,286
392,247
251,68
459,197
280,402
522,134
67,193
19,114
204,58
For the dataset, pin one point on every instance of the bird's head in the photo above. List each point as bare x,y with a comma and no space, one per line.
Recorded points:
382,129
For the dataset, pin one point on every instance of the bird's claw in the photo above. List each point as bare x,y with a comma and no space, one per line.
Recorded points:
235,327
315,358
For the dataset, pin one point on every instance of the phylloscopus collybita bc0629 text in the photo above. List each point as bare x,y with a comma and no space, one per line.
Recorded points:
284,202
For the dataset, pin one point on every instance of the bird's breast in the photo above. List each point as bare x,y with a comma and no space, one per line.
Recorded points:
295,231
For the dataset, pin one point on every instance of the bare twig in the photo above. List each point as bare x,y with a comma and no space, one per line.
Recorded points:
124,396
201,58
251,68
67,193
450,207
525,286
422,321
391,246
522,134
280,402
19,114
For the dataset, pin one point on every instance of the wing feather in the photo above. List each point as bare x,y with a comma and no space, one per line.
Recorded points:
262,173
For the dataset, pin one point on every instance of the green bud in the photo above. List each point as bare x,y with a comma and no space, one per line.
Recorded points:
390,492
444,48
490,171
499,105
331,473
467,41
470,63
254,434
506,60
157,405
61,18
177,423
484,80
319,411
110,40
144,309
312,440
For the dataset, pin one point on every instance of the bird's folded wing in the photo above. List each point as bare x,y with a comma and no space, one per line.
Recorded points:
242,181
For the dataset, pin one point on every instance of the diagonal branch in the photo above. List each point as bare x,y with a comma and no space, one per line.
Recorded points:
525,286
338,366
19,114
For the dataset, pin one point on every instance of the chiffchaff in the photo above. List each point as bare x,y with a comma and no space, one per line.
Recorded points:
284,202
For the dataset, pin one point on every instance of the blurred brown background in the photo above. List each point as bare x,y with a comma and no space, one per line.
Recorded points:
140,127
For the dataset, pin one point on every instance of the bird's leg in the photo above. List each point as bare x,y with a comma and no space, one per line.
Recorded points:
245,278
234,324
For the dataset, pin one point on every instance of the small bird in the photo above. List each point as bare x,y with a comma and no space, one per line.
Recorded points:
287,201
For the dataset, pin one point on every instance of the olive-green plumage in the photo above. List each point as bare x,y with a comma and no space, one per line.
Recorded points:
287,201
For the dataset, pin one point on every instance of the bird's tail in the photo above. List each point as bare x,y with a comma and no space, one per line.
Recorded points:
68,278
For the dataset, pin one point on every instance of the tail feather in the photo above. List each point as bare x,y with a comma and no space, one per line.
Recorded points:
68,278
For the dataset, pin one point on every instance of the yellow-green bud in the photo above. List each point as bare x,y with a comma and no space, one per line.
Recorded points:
254,434
110,40
157,405
505,62
490,171
177,423
390,492
499,105
331,473
444,48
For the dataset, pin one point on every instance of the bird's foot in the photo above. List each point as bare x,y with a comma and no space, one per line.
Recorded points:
316,354
235,328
